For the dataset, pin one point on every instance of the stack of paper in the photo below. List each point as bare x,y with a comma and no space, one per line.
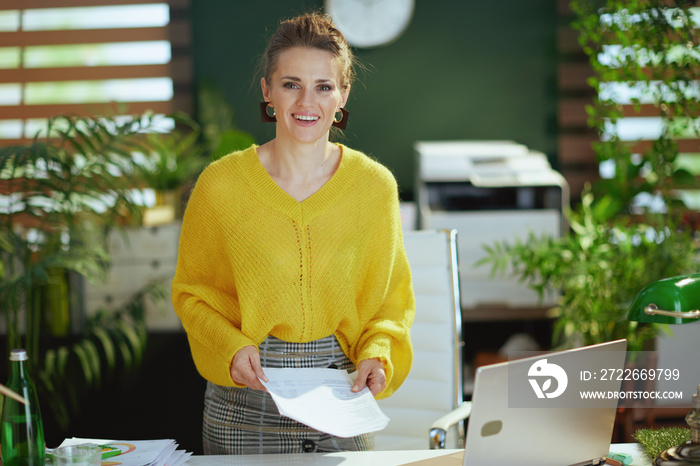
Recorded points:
138,452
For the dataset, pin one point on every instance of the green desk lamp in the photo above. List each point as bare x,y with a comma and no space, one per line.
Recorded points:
674,300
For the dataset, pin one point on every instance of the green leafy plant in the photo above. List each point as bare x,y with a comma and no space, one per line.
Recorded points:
63,193
112,344
220,133
597,270
175,158
650,49
617,244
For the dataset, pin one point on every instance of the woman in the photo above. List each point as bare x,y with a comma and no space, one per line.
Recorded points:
291,255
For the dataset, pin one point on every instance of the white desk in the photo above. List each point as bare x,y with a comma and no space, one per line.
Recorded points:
365,458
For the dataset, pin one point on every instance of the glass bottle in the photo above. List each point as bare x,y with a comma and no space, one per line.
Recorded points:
21,430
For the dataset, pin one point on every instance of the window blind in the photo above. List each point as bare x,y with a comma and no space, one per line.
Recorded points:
89,57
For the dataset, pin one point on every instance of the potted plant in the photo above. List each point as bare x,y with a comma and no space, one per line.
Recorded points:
220,133
616,243
62,194
171,160
174,159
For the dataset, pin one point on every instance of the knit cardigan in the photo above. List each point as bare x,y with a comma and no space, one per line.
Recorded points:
253,262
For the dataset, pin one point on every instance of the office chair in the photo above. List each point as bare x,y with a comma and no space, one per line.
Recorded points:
424,405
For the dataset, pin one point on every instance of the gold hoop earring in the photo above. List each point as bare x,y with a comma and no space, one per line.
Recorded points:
336,118
265,113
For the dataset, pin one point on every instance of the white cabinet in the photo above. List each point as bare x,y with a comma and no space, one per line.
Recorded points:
138,257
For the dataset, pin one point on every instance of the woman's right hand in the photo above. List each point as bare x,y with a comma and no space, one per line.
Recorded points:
246,368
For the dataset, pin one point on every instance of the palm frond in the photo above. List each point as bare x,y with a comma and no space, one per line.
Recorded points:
68,189
113,345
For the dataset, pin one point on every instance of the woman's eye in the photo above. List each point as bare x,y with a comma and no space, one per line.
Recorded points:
291,85
326,87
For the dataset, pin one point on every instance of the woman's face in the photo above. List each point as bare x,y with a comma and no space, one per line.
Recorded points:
305,92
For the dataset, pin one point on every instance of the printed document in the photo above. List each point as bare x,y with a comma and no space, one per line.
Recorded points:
323,399
160,452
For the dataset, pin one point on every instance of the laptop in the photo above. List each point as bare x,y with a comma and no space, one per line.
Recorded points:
531,411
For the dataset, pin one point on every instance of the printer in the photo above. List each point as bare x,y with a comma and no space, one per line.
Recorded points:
489,191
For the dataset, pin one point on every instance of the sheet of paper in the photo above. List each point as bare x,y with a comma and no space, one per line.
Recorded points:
323,399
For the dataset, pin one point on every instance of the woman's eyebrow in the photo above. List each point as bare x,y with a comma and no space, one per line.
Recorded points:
294,78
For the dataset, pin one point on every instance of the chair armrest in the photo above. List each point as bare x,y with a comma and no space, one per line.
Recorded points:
438,431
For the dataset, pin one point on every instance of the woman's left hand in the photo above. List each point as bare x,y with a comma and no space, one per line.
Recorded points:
370,373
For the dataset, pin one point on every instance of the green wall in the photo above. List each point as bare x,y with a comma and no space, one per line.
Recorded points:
462,70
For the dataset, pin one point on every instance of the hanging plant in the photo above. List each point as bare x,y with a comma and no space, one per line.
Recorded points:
617,244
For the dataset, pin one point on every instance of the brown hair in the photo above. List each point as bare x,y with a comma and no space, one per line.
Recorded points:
312,30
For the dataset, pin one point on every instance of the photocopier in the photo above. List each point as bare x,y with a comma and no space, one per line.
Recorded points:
489,191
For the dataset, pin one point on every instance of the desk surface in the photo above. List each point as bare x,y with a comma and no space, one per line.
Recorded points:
365,458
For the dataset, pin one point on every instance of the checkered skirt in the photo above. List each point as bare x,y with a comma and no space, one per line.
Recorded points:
239,421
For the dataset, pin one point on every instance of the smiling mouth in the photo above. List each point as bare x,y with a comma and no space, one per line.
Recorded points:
306,117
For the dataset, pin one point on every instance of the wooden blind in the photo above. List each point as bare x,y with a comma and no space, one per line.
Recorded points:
91,57
577,161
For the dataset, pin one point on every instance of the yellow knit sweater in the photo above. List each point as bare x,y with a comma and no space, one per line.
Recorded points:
255,262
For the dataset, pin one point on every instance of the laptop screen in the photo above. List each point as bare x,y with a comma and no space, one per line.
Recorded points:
532,411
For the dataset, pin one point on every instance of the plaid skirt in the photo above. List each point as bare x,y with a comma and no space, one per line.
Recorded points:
241,421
